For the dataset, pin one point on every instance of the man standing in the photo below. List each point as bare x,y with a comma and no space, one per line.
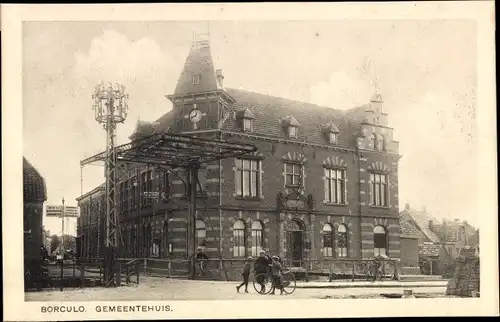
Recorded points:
261,266
202,258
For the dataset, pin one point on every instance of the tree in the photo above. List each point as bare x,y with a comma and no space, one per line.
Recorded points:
55,241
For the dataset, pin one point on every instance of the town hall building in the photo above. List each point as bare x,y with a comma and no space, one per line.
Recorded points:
323,184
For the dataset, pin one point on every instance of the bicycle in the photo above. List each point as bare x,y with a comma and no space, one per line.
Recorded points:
263,282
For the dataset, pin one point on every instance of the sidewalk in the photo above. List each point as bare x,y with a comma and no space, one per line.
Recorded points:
368,284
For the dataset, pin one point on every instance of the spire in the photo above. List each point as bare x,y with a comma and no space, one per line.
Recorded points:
199,74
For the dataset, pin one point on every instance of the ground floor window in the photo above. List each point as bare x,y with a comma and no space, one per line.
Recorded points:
327,240
379,241
239,239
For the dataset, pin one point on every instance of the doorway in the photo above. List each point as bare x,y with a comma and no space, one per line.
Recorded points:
295,242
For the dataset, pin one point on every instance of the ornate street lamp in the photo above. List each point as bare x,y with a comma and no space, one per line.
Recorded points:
110,107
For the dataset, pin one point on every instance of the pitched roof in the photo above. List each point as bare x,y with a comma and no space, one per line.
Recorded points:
269,110
34,189
407,228
420,218
198,62
429,250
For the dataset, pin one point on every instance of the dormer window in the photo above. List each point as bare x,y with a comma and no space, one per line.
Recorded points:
333,138
196,79
247,125
291,126
330,131
245,118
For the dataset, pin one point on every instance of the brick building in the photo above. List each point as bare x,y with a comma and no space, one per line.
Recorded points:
323,184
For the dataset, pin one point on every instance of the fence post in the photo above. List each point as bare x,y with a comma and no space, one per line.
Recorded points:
353,271
127,271
82,275
118,274
137,270
169,268
145,266
330,273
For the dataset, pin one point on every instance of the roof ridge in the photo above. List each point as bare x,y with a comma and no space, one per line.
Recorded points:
229,89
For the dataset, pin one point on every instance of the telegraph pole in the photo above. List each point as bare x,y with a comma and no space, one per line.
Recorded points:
110,106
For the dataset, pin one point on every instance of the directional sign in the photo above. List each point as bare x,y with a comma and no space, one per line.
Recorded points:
57,211
54,211
70,211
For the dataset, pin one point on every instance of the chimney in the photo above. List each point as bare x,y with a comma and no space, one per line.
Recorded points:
457,220
431,224
220,77
407,206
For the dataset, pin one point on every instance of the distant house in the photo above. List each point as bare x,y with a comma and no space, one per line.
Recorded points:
433,259
439,242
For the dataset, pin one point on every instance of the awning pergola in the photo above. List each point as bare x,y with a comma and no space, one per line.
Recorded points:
175,150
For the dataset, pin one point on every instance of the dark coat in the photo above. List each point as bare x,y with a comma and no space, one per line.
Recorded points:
262,264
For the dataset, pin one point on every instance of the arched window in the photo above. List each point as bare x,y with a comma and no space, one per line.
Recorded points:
257,240
379,241
327,240
342,241
382,143
374,141
201,233
239,239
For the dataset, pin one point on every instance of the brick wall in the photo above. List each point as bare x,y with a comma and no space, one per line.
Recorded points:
409,252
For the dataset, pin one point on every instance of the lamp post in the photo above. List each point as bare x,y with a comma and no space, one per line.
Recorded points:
110,107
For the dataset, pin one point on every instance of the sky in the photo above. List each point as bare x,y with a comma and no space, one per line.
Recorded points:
424,69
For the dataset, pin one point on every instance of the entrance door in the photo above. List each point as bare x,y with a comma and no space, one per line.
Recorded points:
297,248
295,243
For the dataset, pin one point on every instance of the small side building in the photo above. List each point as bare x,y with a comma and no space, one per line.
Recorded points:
409,241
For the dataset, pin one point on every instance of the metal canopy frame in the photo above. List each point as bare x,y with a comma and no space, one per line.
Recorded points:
174,151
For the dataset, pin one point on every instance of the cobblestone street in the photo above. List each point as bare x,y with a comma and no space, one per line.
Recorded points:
152,288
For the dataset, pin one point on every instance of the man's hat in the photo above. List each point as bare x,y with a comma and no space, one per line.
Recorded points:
262,252
249,258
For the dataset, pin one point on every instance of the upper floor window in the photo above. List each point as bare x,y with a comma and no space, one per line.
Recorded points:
247,177
293,174
333,138
196,79
247,124
373,140
147,187
382,143
290,125
335,186
379,189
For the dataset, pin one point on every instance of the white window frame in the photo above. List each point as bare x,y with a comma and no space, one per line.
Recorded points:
328,249
379,189
335,185
333,138
257,237
343,252
239,239
296,173
253,190
293,131
247,124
